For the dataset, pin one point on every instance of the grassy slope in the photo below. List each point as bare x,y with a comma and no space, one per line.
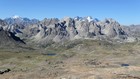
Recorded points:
80,59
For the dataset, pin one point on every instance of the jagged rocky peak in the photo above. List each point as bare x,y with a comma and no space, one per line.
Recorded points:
77,18
69,22
87,18
112,28
67,28
16,17
109,20
2,22
74,27
20,20
49,21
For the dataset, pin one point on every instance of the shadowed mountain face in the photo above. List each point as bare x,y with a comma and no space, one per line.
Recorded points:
8,39
59,30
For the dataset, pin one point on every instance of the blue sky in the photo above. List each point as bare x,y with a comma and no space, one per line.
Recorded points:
124,11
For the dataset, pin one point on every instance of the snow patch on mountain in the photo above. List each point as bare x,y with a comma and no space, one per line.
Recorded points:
15,17
89,18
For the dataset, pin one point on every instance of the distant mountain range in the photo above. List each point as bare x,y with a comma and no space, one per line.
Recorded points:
65,29
20,20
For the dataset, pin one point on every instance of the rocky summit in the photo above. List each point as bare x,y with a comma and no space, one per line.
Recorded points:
60,30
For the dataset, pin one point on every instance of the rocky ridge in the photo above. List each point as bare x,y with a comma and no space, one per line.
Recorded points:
8,39
60,30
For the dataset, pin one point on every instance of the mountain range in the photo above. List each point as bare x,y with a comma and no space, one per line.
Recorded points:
67,29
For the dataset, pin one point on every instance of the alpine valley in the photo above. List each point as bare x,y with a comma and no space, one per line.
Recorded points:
68,48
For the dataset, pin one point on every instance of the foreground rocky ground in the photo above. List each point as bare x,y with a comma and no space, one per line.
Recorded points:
79,59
